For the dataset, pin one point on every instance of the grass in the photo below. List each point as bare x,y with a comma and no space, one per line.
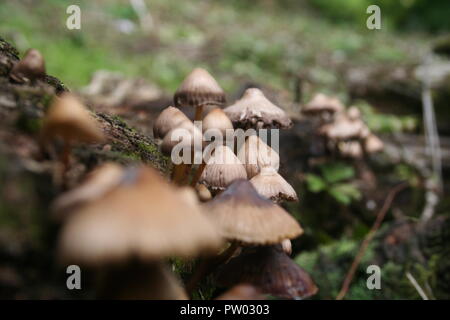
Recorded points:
237,43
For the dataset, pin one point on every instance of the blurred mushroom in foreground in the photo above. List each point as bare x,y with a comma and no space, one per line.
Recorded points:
199,89
30,68
254,110
242,292
270,270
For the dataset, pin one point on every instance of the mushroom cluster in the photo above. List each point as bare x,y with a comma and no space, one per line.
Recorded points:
343,129
222,204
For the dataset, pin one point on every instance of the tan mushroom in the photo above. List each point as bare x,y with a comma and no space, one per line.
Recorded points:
322,104
216,123
271,185
255,154
197,90
167,120
30,68
254,110
373,144
350,149
203,193
343,128
270,270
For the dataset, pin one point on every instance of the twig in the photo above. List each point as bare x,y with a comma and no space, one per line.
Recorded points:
416,286
376,225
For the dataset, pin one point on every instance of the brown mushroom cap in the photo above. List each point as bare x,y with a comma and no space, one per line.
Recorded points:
243,215
138,281
30,68
271,185
197,89
254,110
322,103
146,218
216,121
221,169
373,144
255,154
343,129
184,134
242,291
68,119
98,182
168,119
270,270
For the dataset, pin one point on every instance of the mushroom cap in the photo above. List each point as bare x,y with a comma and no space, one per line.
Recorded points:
373,144
222,168
255,154
242,291
242,215
255,110
343,129
104,178
270,270
197,89
353,113
145,217
323,103
30,68
203,193
216,121
68,119
272,185
185,135
138,281
168,119
351,149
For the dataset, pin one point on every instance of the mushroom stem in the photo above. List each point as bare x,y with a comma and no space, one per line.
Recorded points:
198,174
198,113
179,173
206,266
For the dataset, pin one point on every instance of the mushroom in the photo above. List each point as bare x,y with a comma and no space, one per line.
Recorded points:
343,128
216,123
222,168
351,149
99,182
373,144
254,110
255,154
354,113
182,144
197,90
242,215
30,68
271,185
270,270
69,120
323,107
203,193
242,291
145,219
168,119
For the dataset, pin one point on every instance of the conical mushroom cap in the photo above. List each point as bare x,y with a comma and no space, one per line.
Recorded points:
221,169
138,281
216,121
197,89
343,129
68,119
185,135
104,178
145,218
168,119
270,270
254,110
255,154
271,185
373,144
322,103
30,68
242,215
242,291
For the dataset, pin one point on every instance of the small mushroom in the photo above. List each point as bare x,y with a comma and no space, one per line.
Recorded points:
69,120
197,90
270,270
354,113
254,110
203,193
168,119
255,154
30,68
323,106
216,123
343,128
222,168
244,216
350,149
271,185
373,144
